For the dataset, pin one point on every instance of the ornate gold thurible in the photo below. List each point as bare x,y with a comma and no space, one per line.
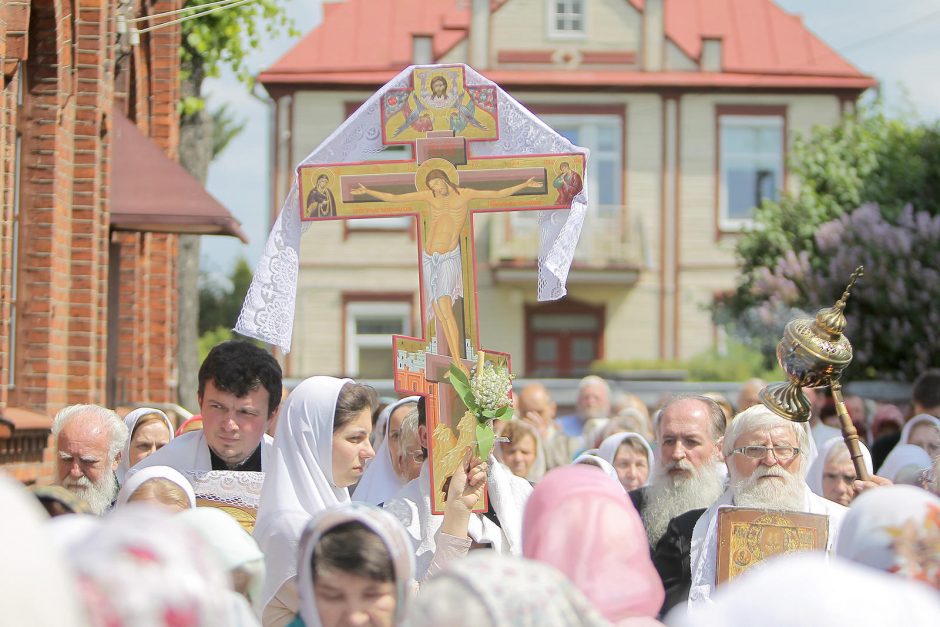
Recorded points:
813,353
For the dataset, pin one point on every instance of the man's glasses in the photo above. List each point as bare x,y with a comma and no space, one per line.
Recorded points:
781,453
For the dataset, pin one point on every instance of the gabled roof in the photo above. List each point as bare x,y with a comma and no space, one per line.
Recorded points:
366,42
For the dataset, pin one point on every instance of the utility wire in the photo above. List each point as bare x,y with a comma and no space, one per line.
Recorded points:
892,31
195,7
195,15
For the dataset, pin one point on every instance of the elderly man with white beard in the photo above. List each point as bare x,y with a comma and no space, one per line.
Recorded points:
767,458
687,473
89,440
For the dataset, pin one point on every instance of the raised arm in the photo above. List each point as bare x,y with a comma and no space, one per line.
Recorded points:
505,193
386,197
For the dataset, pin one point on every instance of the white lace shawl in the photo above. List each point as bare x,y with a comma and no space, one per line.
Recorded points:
268,311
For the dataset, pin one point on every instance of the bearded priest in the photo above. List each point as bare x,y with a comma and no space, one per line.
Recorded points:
767,458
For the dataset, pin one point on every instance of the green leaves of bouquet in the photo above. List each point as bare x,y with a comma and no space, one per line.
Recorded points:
486,396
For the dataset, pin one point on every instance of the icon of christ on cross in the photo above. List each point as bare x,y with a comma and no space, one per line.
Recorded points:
449,212
444,199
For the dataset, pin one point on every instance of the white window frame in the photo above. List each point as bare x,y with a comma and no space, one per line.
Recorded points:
575,8
589,132
355,341
773,121
391,223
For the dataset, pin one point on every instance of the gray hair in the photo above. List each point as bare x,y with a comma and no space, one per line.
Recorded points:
117,430
716,417
408,432
759,417
593,379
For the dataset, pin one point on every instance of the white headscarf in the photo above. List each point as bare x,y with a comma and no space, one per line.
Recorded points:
814,476
891,529
382,524
902,457
610,445
919,419
872,599
131,421
380,482
154,472
507,496
299,481
234,547
605,466
36,588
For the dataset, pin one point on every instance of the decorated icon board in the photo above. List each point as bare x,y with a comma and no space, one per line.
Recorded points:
462,166
747,537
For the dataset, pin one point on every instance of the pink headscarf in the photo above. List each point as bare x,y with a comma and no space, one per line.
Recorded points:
580,522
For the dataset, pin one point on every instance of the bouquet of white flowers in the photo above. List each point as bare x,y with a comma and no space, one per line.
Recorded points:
486,395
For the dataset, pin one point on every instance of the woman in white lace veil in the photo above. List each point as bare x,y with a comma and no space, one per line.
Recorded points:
320,450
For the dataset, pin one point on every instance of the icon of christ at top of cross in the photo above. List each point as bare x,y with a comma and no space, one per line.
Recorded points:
449,210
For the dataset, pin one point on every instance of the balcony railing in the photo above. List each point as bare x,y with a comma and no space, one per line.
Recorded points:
611,242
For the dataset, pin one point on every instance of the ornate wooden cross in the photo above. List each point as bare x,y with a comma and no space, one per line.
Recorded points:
443,187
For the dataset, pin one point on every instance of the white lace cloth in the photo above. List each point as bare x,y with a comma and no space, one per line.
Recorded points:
268,311
235,488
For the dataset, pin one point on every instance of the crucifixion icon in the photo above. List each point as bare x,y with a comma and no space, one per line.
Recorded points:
443,187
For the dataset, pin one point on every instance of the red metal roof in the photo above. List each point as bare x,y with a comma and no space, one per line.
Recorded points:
757,37
365,42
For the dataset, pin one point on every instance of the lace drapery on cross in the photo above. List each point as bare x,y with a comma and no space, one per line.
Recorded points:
268,311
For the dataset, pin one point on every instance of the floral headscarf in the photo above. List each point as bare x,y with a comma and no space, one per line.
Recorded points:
486,589
895,529
142,568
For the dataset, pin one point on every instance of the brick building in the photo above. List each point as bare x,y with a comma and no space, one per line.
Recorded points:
92,200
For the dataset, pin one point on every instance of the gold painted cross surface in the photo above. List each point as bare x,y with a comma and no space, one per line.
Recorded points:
443,187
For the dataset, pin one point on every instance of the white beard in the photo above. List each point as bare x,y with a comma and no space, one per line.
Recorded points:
786,493
98,496
669,496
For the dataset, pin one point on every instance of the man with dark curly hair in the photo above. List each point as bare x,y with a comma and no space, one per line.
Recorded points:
239,393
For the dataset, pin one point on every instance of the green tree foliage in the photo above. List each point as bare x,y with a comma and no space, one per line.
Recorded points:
871,180
225,38
219,306
211,338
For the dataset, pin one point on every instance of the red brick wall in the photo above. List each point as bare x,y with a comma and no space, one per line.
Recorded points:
46,222
73,82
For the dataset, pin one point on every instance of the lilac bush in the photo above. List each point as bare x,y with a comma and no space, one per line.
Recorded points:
894,310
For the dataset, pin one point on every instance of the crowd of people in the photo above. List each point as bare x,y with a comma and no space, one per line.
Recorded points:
607,516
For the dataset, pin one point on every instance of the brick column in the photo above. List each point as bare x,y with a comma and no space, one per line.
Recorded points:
45,273
87,346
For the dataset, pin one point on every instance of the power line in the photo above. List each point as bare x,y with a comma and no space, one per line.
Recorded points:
891,31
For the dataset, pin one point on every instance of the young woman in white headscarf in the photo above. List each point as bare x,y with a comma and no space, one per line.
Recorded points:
356,567
321,449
